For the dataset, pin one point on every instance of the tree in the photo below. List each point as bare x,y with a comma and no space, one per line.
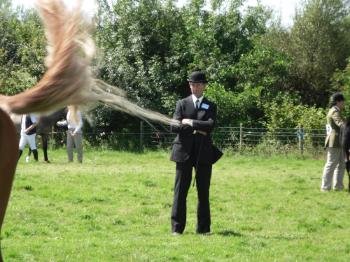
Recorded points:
22,49
150,47
319,44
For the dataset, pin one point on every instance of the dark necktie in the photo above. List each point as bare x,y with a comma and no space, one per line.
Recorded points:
197,104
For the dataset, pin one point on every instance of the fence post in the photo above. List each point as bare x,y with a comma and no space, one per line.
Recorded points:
301,139
240,136
141,135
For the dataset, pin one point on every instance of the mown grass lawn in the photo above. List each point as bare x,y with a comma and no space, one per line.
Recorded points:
116,207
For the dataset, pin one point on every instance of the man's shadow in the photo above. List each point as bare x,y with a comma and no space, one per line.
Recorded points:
229,233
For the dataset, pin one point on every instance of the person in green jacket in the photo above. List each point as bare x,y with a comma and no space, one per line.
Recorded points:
335,157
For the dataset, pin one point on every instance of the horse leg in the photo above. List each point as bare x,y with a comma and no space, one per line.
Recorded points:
44,139
8,162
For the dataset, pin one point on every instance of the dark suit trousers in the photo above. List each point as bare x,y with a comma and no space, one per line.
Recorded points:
182,184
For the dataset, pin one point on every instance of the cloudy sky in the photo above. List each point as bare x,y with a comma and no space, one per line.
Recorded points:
283,8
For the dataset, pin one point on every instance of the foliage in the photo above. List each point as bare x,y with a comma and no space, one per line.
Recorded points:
234,108
264,67
288,114
341,82
318,44
151,47
105,124
144,51
148,48
22,49
262,76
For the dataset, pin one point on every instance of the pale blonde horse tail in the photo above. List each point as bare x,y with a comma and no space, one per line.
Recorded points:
115,98
70,50
68,79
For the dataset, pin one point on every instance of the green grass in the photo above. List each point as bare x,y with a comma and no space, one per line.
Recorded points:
116,207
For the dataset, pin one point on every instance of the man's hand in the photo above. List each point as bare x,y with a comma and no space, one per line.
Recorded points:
187,121
61,123
29,128
175,122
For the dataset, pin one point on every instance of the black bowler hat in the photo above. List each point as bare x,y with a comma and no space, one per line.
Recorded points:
197,77
337,97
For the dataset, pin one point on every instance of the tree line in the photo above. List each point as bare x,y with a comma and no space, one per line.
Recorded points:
261,73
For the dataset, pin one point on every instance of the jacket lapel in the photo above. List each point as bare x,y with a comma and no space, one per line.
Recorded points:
190,109
201,111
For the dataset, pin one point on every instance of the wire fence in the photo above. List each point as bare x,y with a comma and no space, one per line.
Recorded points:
235,138
239,137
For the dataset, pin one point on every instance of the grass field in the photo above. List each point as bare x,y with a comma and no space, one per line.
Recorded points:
116,207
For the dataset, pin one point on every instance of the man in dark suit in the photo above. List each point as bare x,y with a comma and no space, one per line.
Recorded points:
193,148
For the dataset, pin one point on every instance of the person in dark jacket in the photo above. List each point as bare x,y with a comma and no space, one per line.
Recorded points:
28,134
192,148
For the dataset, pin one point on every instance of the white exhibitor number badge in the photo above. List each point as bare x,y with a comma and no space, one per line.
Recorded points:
205,106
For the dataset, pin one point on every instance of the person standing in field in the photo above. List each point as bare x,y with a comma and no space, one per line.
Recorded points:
192,148
28,134
335,165
74,122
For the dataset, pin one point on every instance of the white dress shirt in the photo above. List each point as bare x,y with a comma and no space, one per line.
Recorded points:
194,98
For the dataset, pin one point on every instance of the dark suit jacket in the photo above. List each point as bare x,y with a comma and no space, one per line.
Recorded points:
187,144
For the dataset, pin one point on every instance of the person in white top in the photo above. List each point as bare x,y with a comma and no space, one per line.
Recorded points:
74,122
28,134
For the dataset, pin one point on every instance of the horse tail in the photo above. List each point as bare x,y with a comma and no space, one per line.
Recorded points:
70,50
68,79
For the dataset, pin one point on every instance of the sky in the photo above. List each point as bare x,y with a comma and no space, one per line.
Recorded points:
283,8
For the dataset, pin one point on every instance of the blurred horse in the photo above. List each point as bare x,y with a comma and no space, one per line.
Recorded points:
67,81
9,155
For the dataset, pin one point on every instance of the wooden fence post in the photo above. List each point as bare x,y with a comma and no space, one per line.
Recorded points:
300,134
141,135
240,136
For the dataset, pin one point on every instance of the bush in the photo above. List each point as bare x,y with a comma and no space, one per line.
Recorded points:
235,108
287,114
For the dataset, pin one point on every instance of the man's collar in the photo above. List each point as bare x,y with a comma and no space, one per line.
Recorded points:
194,98
337,108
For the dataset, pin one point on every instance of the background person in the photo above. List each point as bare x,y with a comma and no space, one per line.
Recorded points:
28,134
74,122
335,164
